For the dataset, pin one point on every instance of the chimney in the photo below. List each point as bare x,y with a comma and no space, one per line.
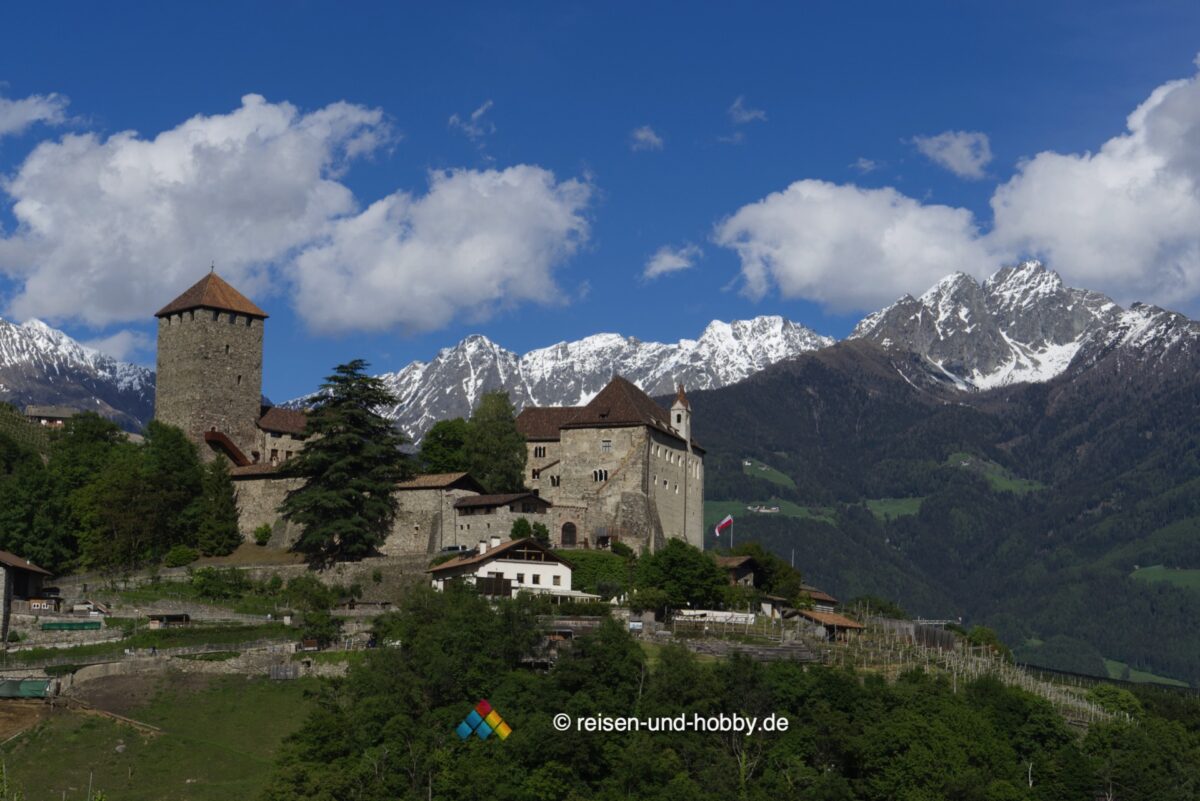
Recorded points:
495,543
483,546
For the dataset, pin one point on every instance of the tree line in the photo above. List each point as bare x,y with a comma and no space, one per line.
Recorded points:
387,731
94,500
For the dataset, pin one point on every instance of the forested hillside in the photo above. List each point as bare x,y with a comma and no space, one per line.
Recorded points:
1033,508
388,730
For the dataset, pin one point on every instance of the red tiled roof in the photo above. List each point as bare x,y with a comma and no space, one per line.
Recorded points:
830,619
12,560
212,292
441,481
283,421
543,422
818,595
473,501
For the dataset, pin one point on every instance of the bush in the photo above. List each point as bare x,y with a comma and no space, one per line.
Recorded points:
219,585
180,555
621,549
262,534
520,529
1115,699
14,636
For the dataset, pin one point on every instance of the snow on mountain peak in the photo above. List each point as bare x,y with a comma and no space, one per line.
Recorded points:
572,373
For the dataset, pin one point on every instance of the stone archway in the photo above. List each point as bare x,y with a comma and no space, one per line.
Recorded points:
569,535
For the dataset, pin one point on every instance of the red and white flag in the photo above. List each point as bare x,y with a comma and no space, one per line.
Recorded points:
724,524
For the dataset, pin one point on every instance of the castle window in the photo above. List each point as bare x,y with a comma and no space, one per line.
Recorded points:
678,418
191,316
555,480
226,350
536,474
249,321
606,446
232,319
539,451
216,316
599,475
239,380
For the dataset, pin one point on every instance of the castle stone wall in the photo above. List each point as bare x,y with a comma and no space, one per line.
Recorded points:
258,500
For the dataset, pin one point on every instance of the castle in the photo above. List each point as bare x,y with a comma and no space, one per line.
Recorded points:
620,468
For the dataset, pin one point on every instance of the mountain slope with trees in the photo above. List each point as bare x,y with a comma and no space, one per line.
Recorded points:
1090,475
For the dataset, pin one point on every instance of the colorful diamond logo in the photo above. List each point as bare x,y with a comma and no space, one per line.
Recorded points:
483,722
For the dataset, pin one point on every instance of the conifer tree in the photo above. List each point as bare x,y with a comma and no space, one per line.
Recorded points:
495,450
219,534
350,466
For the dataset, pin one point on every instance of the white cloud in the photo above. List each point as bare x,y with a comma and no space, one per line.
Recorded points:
474,125
109,229
17,115
1125,219
865,165
123,345
669,259
964,153
645,138
848,248
741,114
475,242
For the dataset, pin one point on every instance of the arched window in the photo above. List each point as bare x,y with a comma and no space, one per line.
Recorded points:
568,535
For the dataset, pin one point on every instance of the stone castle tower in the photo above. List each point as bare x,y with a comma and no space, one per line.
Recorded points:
210,355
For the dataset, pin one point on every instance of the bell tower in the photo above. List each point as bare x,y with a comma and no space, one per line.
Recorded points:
209,368
681,415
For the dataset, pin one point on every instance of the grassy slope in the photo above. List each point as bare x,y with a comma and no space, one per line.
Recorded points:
763,470
1116,670
1000,479
219,743
1187,579
888,508
715,511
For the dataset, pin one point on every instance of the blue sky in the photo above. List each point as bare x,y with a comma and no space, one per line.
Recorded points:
550,205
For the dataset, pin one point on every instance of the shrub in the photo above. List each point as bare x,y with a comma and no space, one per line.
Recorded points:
621,549
262,534
217,585
520,529
14,636
180,555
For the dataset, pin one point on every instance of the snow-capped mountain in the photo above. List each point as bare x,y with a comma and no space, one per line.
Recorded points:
1022,324
42,365
571,373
